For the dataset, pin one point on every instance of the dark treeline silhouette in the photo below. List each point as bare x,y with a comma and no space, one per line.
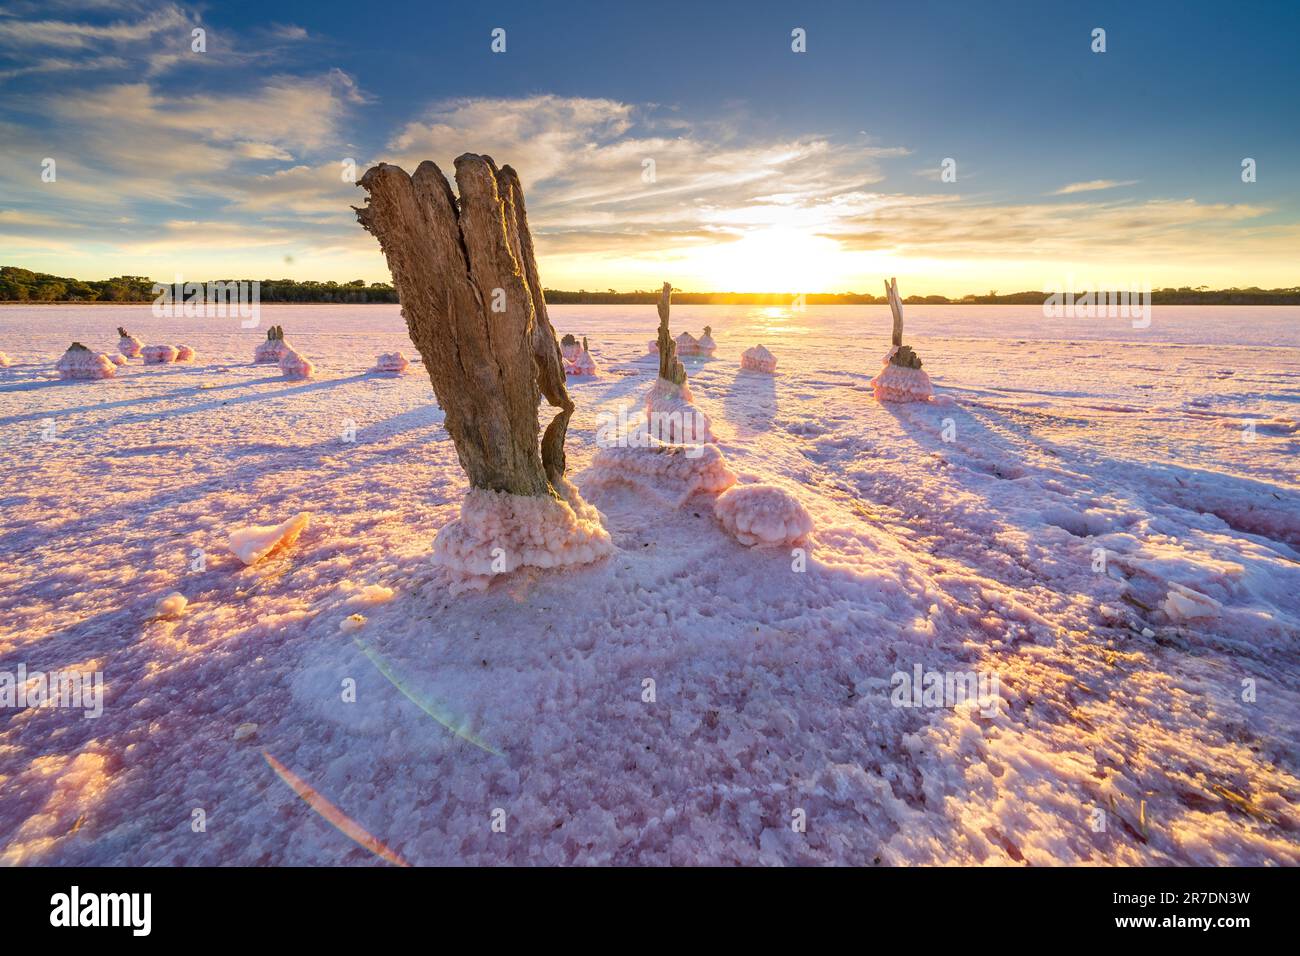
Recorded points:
23,285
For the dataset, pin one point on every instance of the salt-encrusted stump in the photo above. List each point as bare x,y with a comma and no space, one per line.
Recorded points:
901,379
391,363
582,363
273,349
758,359
670,409
294,366
128,344
670,369
466,276
706,345
80,362
159,354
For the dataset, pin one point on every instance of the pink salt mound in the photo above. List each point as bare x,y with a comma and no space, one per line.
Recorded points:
672,417
758,359
671,473
570,351
184,353
117,359
895,383
159,354
270,350
392,362
687,344
129,346
763,515
81,363
584,364
293,365
706,345
498,532
654,347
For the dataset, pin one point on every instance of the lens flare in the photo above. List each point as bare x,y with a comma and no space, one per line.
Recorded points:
332,814
430,707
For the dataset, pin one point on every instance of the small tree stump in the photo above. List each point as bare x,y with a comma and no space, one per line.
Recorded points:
670,368
901,379
670,408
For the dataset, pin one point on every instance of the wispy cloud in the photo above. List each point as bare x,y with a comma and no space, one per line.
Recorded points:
56,64
73,35
1093,185
149,38
941,224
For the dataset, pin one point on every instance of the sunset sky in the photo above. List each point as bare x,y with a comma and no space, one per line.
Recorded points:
773,170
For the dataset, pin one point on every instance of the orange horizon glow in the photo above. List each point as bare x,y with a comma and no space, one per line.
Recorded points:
782,258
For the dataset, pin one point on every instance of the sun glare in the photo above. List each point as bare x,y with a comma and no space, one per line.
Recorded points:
777,259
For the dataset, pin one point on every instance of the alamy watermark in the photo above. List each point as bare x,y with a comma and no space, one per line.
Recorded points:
213,300
684,425
130,910
1132,302
67,689
923,688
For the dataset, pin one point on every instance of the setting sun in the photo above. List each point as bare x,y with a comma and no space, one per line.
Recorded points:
776,259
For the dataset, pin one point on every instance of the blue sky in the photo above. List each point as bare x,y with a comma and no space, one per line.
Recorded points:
773,170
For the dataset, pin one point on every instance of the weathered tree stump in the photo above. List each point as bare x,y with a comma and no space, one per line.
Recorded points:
901,379
901,355
466,277
670,408
467,280
670,367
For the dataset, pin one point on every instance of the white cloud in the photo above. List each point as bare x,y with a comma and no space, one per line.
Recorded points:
152,37
1093,185
54,64
264,151
70,35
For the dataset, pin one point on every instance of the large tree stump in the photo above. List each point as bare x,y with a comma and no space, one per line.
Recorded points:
466,277
467,281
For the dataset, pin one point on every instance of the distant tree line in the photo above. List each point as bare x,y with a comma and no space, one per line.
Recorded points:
23,285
